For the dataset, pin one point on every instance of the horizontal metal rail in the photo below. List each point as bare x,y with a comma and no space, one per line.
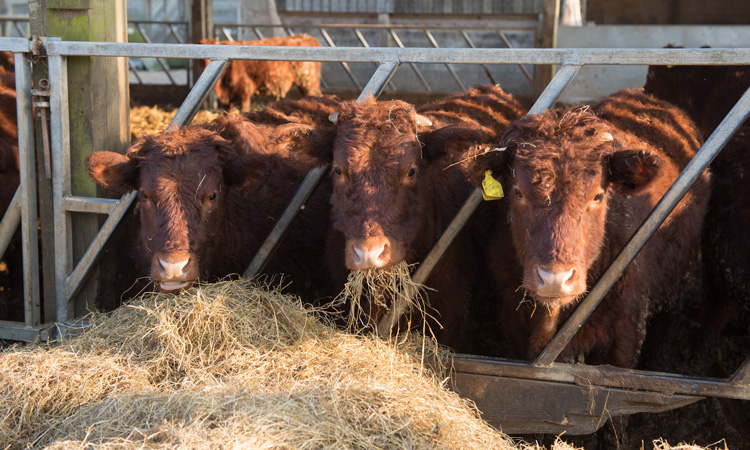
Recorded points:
630,56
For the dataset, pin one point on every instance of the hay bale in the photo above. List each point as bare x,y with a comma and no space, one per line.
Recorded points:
227,365
152,120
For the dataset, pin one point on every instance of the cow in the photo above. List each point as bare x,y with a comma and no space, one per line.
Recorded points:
11,306
394,193
579,181
208,197
243,79
707,93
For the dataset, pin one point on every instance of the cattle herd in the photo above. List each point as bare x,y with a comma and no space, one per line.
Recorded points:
578,181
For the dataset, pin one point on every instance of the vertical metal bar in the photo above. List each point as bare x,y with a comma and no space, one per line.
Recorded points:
412,65
674,194
27,167
447,66
10,222
59,131
344,64
374,87
484,66
400,306
205,83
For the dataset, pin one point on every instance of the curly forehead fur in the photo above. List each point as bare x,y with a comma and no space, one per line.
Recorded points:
542,141
383,116
181,142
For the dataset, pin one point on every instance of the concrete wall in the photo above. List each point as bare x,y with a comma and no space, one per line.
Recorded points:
596,82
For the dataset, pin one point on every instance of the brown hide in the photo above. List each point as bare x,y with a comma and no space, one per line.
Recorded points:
392,195
208,197
707,93
244,79
11,297
579,182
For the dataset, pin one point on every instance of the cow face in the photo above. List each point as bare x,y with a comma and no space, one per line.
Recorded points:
376,167
562,167
182,178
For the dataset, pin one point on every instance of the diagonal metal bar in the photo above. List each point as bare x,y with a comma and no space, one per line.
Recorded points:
135,72
11,219
365,44
484,66
374,87
344,64
742,376
674,194
414,67
447,65
205,83
161,62
523,69
400,306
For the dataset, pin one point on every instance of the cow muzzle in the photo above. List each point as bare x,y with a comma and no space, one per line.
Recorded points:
555,283
372,253
175,271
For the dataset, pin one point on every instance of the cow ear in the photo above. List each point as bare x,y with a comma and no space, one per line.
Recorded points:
476,161
633,170
450,141
303,146
113,171
249,170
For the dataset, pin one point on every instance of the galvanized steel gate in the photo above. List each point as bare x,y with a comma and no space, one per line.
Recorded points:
590,390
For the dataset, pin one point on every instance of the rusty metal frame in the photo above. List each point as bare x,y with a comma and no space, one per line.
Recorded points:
654,391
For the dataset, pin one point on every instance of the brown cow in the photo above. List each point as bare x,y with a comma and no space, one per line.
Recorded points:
392,197
208,196
579,182
707,93
11,306
244,79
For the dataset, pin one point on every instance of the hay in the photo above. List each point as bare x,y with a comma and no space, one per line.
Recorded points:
152,120
661,444
232,364
390,288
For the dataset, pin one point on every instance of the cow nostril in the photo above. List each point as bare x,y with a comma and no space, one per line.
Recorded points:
173,269
358,255
384,253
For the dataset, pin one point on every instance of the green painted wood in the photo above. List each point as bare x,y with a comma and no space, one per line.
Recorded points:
99,116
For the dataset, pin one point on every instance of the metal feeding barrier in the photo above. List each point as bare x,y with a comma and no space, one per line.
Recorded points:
512,395
391,34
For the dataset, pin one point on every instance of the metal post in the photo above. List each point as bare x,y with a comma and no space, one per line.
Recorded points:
60,133
27,167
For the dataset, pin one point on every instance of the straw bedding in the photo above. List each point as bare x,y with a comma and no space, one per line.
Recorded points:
152,120
233,364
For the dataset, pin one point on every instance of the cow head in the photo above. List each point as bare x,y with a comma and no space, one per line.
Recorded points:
183,179
380,154
559,170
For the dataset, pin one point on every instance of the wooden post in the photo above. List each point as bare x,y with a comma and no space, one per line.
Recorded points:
551,14
99,120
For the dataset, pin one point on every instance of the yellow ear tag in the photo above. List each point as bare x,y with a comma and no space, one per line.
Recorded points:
491,188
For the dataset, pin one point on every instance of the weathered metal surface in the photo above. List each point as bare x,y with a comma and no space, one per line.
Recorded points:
739,56
15,332
604,376
10,221
518,406
742,376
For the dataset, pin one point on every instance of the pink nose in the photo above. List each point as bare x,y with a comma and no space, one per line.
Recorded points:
172,269
555,283
371,257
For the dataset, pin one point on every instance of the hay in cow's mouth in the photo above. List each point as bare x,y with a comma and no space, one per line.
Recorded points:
382,288
231,364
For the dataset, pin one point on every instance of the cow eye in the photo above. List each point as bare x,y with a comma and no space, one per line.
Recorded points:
144,195
599,197
411,172
517,193
337,170
213,196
